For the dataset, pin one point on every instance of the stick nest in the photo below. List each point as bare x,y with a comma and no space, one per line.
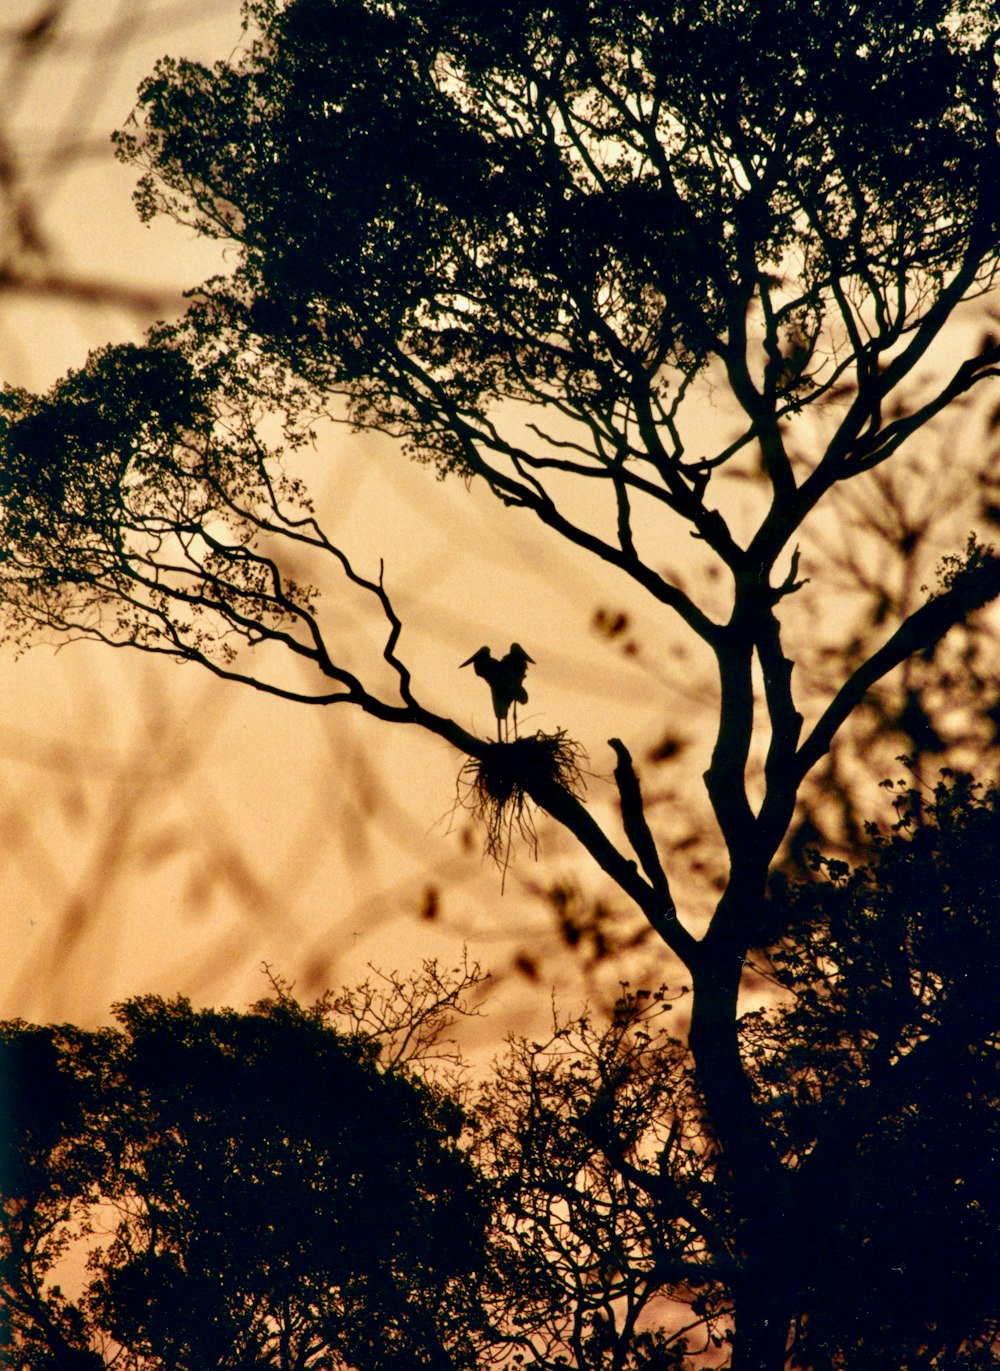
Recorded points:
495,788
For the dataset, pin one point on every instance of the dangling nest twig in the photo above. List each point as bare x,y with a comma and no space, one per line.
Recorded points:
494,788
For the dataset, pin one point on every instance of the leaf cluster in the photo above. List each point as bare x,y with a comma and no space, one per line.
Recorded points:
260,1192
880,1079
439,209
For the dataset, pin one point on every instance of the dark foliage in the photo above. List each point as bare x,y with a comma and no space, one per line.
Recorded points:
881,1082
392,172
274,1199
255,1191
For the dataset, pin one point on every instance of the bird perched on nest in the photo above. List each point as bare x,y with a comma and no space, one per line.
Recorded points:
505,678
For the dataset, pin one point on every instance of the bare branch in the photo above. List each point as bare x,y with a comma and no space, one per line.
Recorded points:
925,627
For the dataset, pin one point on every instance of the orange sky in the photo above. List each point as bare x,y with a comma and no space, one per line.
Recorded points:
163,832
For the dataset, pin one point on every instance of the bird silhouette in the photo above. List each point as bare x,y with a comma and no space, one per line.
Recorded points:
505,678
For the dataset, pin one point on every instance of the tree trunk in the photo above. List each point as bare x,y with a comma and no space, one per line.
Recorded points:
765,1231
761,1338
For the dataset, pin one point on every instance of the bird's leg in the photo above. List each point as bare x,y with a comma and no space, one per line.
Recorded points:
515,718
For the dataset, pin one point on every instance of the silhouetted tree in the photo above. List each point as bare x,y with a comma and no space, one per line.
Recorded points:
531,244
51,1169
877,1075
881,1086
253,1191
613,1241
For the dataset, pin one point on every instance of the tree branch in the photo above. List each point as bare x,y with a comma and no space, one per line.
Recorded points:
636,828
567,810
925,627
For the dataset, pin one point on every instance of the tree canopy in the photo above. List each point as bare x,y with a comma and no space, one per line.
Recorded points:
881,1082
276,1199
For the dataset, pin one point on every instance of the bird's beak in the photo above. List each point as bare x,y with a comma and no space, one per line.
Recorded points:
468,661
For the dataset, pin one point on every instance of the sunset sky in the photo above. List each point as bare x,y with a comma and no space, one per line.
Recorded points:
162,832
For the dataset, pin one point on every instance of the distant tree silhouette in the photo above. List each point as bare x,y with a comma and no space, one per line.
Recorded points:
535,245
274,1199
614,1244
51,1169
